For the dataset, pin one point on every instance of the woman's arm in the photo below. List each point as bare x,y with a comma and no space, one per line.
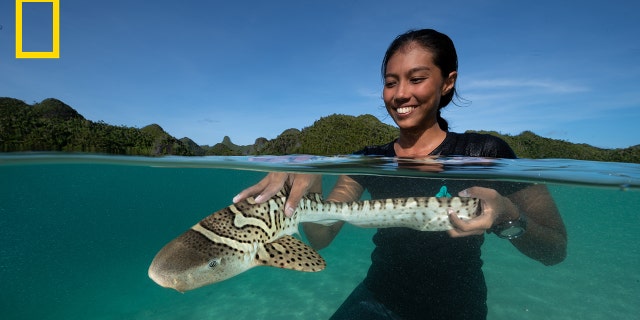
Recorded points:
345,190
546,237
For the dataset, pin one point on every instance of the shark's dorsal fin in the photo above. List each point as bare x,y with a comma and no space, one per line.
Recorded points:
290,253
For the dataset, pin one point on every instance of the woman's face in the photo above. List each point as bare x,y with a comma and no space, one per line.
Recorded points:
413,87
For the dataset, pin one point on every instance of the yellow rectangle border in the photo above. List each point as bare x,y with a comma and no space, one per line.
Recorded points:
55,54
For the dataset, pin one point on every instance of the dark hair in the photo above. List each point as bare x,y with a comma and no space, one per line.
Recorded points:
444,57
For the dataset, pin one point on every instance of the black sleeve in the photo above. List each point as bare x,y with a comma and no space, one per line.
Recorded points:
467,144
475,145
385,150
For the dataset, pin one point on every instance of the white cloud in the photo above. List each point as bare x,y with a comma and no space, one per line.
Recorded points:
546,85
369,93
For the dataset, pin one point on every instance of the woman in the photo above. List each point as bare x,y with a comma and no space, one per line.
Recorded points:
429,275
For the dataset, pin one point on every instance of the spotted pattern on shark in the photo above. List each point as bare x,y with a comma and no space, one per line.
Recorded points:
247,234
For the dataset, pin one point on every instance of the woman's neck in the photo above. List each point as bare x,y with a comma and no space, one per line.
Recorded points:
419,144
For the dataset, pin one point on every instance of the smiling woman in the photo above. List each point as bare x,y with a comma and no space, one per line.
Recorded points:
440,55
413,274
419,71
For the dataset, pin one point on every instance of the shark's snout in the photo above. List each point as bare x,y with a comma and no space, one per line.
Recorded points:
174,266
162,278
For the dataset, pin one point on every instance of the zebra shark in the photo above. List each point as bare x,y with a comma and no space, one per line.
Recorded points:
247,234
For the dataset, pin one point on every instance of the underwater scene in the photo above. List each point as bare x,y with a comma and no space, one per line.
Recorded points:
78,233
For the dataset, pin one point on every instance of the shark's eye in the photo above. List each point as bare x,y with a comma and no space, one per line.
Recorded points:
214,263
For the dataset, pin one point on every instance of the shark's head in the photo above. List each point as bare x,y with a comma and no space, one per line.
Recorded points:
192,261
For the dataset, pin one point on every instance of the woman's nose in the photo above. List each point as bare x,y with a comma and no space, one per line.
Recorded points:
402,92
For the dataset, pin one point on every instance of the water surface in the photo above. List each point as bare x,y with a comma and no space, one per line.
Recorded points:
78,233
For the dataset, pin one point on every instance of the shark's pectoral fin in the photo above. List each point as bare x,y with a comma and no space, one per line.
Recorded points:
290,253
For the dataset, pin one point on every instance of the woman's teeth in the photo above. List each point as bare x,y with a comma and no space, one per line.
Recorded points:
404,110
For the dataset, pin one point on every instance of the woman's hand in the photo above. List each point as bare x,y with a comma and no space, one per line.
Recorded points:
546,236
494,207
274,181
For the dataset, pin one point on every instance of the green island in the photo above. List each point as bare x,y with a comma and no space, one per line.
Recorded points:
52,125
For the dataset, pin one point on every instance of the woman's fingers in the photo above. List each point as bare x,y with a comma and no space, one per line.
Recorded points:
265,189
491,206
274,181
300,186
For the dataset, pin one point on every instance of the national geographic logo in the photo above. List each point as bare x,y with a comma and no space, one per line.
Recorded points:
55,52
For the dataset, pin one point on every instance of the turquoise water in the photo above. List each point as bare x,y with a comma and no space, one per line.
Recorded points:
78,234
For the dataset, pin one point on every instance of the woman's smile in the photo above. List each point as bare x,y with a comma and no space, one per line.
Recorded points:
403,111
413,86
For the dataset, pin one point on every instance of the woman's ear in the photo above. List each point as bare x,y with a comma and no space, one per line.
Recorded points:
449,82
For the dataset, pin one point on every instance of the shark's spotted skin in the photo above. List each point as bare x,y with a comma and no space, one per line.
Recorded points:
247,234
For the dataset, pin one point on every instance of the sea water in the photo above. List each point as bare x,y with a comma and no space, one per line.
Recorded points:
78,232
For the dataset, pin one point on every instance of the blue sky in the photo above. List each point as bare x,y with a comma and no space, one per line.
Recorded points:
249,69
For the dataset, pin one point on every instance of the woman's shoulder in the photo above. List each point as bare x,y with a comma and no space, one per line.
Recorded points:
475,144
383,150
479,138
471,144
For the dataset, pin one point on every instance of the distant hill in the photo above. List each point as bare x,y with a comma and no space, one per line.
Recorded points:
228,148
52,125
193,147
529,145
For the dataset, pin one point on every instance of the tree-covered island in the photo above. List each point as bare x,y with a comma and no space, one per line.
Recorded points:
52,125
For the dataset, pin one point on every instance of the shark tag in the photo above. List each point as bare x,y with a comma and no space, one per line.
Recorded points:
443,193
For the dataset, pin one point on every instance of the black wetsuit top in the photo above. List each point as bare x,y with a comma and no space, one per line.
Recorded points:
429,275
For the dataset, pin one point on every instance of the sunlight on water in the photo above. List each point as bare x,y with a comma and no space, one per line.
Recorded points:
564,171
79,232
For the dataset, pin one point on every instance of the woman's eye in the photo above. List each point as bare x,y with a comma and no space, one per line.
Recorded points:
389,84
417,80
